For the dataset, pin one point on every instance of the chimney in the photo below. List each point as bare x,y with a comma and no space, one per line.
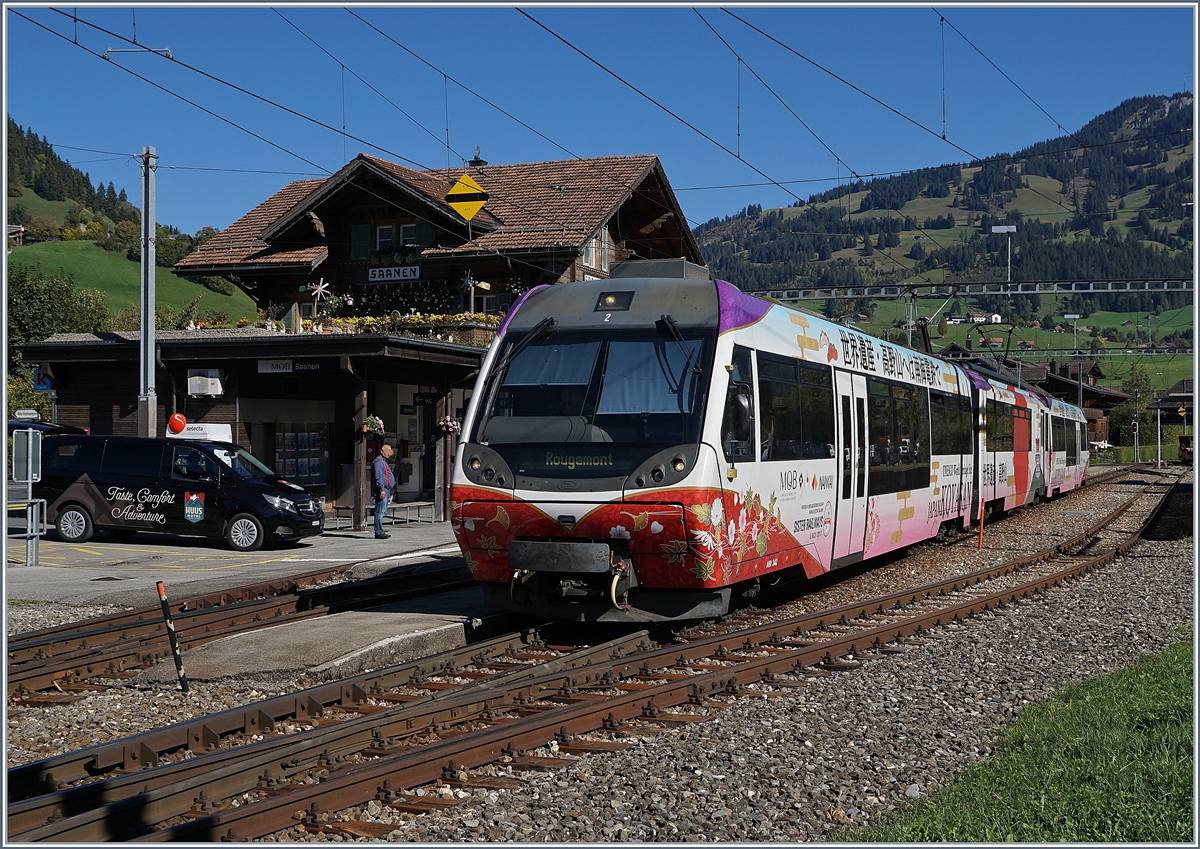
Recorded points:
477,162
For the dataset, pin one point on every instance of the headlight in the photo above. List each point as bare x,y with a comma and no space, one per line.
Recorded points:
281,503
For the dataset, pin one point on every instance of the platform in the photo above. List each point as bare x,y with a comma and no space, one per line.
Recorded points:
340,645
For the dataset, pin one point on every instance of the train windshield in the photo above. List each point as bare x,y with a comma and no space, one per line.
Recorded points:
626,395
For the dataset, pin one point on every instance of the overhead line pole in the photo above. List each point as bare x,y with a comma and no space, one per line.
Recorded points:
147,400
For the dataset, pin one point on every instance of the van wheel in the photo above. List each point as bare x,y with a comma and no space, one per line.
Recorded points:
74,524
244,533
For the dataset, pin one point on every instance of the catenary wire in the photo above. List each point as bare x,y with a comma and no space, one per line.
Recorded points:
366,190
473,242
815,135
1057,123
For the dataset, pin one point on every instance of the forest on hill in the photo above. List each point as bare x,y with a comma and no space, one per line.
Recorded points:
1111,201
101,214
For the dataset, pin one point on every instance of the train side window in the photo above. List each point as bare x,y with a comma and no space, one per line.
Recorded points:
951,423
741,380
999,426
816,404
779,395
899,437
1022,427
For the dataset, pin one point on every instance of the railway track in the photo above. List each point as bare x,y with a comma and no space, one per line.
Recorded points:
56,664
436,719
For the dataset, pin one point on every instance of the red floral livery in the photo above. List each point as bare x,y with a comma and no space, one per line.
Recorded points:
703,538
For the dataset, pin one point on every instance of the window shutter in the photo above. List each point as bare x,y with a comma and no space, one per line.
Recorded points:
425,234
360,241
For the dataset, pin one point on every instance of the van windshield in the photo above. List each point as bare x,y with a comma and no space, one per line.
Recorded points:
242,462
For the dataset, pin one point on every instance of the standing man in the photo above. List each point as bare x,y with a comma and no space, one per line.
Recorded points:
382,474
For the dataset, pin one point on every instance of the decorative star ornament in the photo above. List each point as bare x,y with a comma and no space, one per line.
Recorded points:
321,290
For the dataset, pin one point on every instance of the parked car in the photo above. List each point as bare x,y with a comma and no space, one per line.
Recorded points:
46,428
125,484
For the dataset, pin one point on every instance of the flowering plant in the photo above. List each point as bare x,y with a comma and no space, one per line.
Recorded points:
373,424
448,425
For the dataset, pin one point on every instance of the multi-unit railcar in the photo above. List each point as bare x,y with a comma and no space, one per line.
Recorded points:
646,449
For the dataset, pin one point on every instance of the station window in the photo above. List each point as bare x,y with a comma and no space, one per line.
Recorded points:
595,251
360,241
408,234
383,238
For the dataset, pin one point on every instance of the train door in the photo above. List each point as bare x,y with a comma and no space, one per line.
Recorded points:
850,524
980,458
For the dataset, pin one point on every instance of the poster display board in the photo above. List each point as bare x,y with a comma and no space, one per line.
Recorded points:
302,452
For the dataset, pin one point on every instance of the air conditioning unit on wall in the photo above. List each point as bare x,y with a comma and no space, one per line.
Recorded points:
206,381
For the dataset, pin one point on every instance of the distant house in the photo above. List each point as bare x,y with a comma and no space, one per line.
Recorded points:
995,342
17,231
1025,345
1127,323
983,318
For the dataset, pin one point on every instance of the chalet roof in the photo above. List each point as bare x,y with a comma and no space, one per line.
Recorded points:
535,206
246,343
241,243
1179,395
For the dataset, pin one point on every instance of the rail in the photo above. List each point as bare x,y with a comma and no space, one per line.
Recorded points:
502,709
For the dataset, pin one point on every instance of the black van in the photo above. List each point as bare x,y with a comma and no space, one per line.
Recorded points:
128,484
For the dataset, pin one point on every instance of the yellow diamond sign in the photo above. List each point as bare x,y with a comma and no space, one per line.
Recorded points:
1182,411
466,197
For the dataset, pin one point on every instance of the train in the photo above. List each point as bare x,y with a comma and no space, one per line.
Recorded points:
652,449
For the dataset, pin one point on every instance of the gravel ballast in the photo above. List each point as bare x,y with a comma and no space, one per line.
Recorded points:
842,748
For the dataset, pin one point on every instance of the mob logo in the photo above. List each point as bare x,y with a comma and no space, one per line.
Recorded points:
193,506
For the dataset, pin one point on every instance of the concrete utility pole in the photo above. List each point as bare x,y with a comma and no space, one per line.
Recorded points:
1074,317
1009,229
147,400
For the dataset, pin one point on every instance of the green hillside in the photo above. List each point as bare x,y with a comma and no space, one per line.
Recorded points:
120,278
1113,199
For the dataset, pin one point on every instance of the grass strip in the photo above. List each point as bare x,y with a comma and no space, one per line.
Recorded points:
1107,760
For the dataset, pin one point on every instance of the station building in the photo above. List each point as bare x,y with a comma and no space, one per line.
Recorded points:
382,239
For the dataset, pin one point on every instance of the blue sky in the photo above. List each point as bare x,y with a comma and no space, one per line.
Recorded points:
1072,64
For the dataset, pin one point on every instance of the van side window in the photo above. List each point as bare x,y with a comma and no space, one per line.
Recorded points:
74,457
134,459
189,464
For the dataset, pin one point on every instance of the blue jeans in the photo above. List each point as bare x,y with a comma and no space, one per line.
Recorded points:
381,505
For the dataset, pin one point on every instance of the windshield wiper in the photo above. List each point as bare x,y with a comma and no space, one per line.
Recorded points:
670,324
540,329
